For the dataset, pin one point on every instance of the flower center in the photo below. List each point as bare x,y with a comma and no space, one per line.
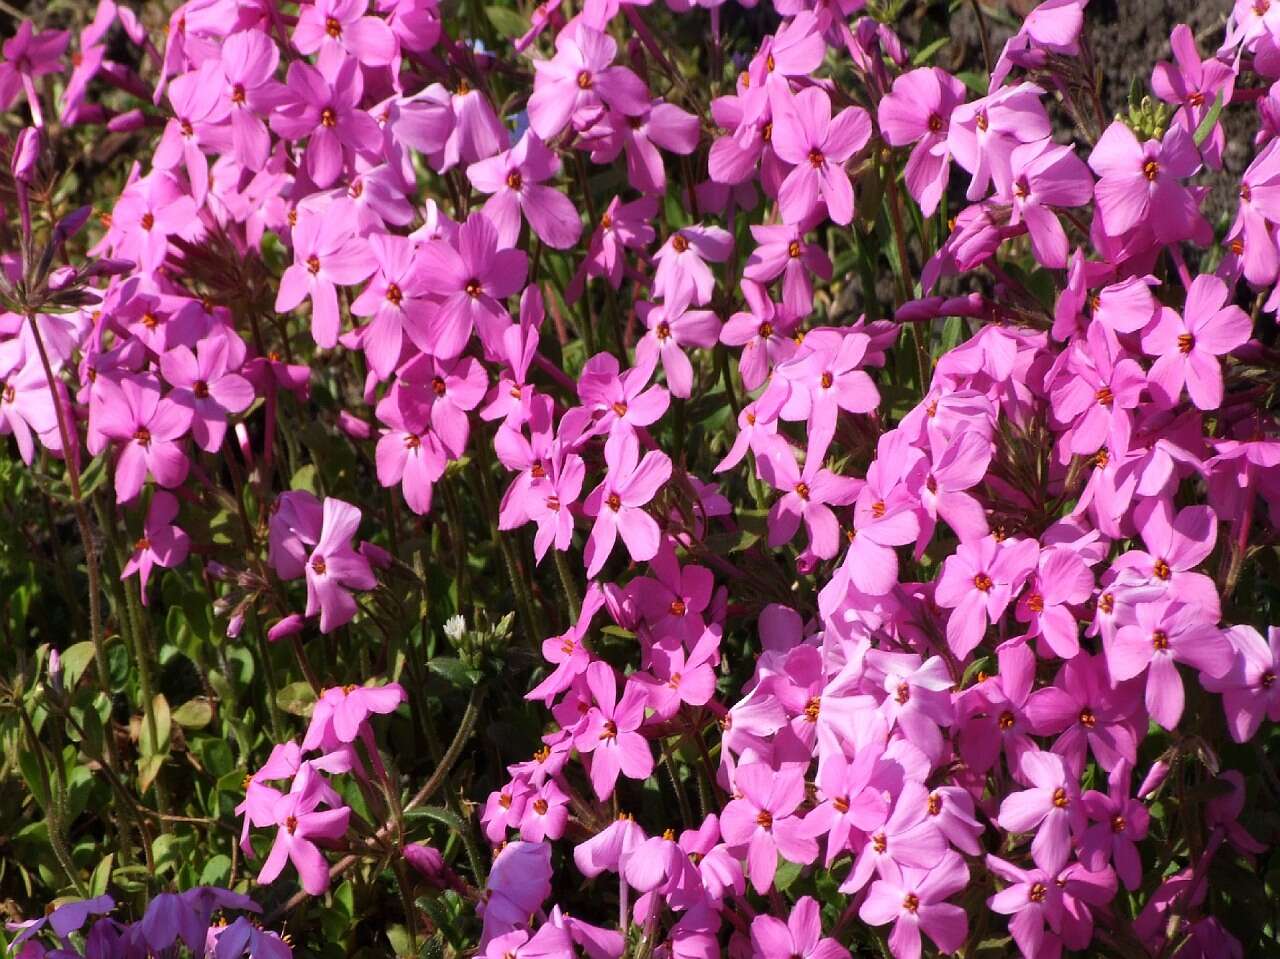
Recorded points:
934,805
1087,718
766,133
141,544
1060,798
841,804
319,565
880,843
606,221
1267,679
1107,603
237,94
1160,640
678,607
1195,98
793,249
827,379
1237,247
143,436
1035,603
147,221
1118,824
1105,396
187,130
328,118
902,694
514,180
291,824
812,708
911,902
1185,343
1151,170
816,159
504,800
1006,721
614,502
765,331
313,264
584,80
1161,569
765,819
473,288
769,63
333,28
679,243
663,332
1037,892
935,123
540,806
200,388
9,393
438,386
982,582
394,296
610,730
619,409
982,122
412,441
802,490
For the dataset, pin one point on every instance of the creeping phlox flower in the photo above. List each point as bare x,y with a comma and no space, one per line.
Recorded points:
1029,511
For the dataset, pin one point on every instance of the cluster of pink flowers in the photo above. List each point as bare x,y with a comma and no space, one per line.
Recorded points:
986,620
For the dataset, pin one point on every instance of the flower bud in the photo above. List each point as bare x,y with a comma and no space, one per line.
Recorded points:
291,625
26,153
55,670
376,555
1154,779
353,426
430,865
127,122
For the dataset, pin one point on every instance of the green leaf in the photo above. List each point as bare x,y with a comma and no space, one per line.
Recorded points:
148,769
926,53
1210,120
297,699
305,479
158,744
788,872
194,713
454,671
508,22
101,875
75,660
216,871
440,815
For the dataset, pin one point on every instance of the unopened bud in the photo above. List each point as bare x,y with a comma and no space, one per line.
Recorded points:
55,670
26,153
430,865
291,625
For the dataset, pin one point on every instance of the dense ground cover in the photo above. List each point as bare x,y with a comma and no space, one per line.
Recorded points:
651,479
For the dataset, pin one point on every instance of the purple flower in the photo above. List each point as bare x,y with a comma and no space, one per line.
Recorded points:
514,179
161,544
334,569
618,505
325,256
818,145
324,105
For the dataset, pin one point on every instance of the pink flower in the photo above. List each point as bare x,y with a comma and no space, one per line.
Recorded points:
1139,182
334,568
518,883
1187,350
1047,175
1038,899
908,839
342,712
202,382
514,179
330,26
249,60
301,823
662,125
782,251
1062,580
409,453
1175,546
818,145
1249,689
1166,632
622,226
1086,713
671,329
618,505
914,901
1193,85
325,255
453,388
983,134
609,733
26,407
324,105
28,55
807,495
545,813
398,300
978,582
580,80
474,279
161,544
800,937
150,426
1119,823
917,111
764,333
1051,807
682,275
943,485
850,803
762,819
623,403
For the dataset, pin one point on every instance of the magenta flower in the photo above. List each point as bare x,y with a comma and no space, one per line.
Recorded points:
977,584
1039,901
202,382
151,428
518,883
334,568
1062,580
807,495
1139,182
398,301
915,902
1100,385
1047,175
850,804
983,134
880,523
474,279
454,388
764,333
917,111
618,505
1120,822
1249,689
545,813
944,484
26,408
580,80
148,212
342,713
671,330
682,275
409,453
161,544
28,55
800,937
324,105
782,251
325,256
1187,346
1051,807
198,112
329,26
662,125
514,179
1175,546
622,227
609,733
1086,714
250,91
623,403
818,145
1168,631
1193,85
301,823
762,820
908,839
